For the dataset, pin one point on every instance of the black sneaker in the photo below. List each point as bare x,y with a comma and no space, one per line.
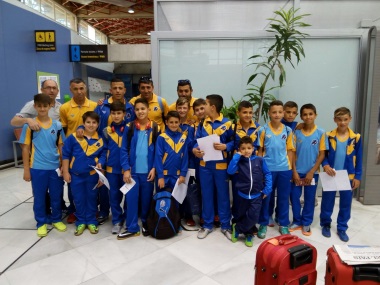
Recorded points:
127,234
102,219
144,230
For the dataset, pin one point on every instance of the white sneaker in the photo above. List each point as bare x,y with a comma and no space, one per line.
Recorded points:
116,229
227,233
203,232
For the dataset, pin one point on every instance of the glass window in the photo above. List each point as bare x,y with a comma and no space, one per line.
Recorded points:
91,33
47,8
83,29
35,4
70,21
60,15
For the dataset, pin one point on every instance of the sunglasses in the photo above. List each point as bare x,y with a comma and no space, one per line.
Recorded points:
145,78
184,81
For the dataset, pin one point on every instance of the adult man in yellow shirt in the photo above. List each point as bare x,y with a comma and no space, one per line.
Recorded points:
158,108
184,89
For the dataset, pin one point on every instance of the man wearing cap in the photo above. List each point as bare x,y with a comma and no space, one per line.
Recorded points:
184,89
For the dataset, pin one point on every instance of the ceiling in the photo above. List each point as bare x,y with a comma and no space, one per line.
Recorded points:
112,18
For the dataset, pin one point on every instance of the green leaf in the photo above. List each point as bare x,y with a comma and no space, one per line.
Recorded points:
251,78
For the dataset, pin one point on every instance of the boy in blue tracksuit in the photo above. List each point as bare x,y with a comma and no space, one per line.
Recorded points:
171,157
345,152
78,155
113,135
277,148
253,184
311,145
41,158
137,161
213,174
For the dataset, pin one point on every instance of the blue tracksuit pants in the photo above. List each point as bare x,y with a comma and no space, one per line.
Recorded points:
42,180
85,197
144,190
116,196
235,198
211,179
281,182
248,214
303,217
327,207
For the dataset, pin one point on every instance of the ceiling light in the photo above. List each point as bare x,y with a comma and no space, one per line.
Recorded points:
131,11
148,33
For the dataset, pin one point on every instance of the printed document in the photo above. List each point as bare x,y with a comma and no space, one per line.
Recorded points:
206,144
339,182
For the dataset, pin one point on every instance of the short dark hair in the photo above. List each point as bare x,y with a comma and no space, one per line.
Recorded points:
245,139
115,79
199,102
117,106
77,81
142,101
42,99
172,114
244,104
290,104
184,82
146,80
182,101
341,112
215,100
275,103
92,115
308,106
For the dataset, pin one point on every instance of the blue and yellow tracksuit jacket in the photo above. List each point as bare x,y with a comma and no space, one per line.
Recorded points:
223,128
354,152
83,153
104,113
128,160
113,136
189,130
240,132
171,158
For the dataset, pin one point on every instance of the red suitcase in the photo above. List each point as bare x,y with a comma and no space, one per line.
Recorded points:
339,273
286,259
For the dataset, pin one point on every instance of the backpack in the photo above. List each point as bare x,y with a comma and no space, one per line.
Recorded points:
164,219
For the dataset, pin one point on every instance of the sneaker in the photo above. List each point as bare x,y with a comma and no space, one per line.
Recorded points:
190,222
93,229
144,230
126,234
326,232
80,229
71,218
116,229
42,231
203,232
235,234
102,219
216,221
180,229
283,230
61,227
294,227
343,236
227,233
262,232
271,222
306,231
249,240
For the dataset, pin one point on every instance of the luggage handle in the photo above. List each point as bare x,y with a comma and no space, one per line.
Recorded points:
366,272
287,239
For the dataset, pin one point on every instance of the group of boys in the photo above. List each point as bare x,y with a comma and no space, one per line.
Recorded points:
146,142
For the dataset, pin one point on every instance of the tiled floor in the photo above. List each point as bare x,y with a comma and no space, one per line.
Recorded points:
62,258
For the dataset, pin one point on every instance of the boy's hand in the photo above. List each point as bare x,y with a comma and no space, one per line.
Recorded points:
100,102
355,184
299,126
151,175
308,178
296,178
27,176
80,133
161,183
264,196
220,146
127,176
198,153
67,177
330,171
100,184
239,153
99,166
181,180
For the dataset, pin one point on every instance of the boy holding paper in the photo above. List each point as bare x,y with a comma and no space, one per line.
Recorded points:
344,152
213,173
137,162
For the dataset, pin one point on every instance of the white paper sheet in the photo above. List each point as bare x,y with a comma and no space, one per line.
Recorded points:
127,186
339,182
206,144
102,178
58,170
180,191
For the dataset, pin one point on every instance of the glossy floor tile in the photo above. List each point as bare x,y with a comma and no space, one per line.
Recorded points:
62,258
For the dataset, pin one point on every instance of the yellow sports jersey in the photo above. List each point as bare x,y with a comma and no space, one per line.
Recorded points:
71,114
155,113
190,115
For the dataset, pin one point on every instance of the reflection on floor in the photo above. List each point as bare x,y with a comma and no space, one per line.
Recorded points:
62,258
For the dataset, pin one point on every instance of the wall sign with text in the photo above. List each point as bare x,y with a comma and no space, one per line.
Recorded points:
45,40
88,53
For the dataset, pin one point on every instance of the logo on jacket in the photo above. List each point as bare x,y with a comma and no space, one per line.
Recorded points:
155,108
314,142
223,128
283,137
98,144
128,115
52,132
182,141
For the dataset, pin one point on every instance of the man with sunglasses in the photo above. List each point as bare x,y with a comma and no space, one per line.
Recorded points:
184,89
158,108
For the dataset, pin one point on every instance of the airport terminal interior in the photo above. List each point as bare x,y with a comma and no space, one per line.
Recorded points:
207,42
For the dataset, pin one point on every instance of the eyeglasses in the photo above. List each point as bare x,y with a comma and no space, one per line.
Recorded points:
184,81
50,87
